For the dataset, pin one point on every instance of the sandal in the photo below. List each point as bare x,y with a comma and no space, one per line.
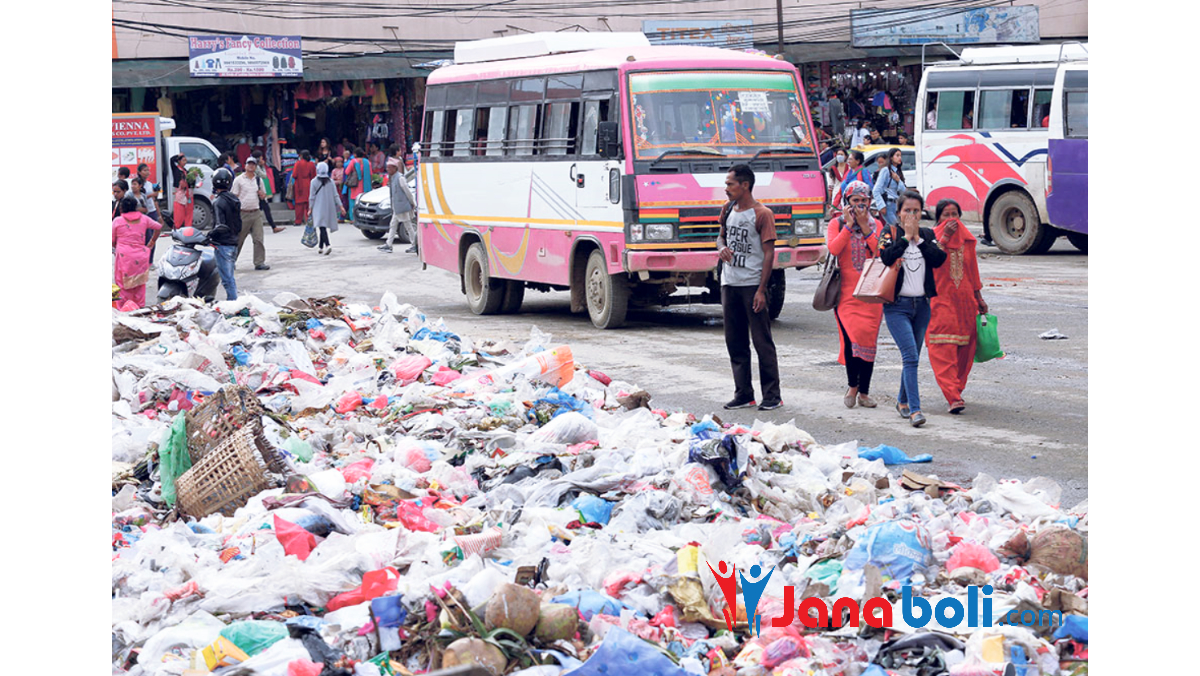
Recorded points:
957,407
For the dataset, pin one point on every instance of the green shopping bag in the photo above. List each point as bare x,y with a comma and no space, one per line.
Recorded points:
988,345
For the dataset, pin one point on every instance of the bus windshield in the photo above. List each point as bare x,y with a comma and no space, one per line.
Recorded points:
735,113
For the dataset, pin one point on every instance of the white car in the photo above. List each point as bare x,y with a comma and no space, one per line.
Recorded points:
373,213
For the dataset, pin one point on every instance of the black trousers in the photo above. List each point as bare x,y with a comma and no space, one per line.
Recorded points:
262,204
743,326
323,238
858,371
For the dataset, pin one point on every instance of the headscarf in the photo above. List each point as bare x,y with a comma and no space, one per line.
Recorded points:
856,189
322,171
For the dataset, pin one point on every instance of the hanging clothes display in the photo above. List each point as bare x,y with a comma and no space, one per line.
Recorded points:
379,102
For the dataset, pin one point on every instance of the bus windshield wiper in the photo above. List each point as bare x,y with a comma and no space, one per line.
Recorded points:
687,151
776,149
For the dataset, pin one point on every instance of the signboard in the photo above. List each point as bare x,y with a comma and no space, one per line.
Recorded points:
730,34
134,136
988,25
247,56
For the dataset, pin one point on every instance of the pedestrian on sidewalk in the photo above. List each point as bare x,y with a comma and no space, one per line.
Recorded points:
181,213
356,179
302,175
746,247
337,174
402,207
262,202
227,229
323,199
120,187
853,239
250,196
951,336
908,315
151,191
131,269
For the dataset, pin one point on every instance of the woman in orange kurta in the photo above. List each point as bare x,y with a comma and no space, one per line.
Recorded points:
853,238
951,335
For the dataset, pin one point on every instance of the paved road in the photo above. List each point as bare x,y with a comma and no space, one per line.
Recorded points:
1026,414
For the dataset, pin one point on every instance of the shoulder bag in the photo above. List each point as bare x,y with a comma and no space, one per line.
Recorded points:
351,177
829,291
877,283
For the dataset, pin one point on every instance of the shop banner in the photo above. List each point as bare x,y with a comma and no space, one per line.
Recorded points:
134,136
247,56
730,34
989,25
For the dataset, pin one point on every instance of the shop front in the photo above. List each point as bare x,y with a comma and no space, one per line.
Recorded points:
881,91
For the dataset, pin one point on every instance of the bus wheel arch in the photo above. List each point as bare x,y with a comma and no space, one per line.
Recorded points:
1012,221
582,249
464,243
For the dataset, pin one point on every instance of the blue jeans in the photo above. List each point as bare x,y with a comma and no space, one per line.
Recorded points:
907,320
226,255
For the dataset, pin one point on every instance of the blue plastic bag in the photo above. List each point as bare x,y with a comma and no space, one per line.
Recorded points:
1073,626
897,548
425,333
593,509
564,403
589,602
891,455
623,653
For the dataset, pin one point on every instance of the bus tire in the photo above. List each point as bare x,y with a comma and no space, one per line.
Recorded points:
514,294
484,294
776,290
1015,227
1078,240
607,295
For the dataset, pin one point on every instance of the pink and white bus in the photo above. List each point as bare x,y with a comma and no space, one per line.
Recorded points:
602,170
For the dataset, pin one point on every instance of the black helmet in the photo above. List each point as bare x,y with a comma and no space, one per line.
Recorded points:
222,179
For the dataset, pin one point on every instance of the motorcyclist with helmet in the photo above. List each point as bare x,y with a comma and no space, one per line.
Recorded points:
227,213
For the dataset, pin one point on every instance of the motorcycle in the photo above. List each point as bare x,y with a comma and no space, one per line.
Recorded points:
186,270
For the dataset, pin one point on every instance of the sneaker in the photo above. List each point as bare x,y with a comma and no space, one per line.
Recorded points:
987,242
411,249
770,405
328,250
917,419
385,248
735,404
264,266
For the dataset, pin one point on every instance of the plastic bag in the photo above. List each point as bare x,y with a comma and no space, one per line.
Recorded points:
295,540
358,470
174,457
590,602
891,455
408,369
988,345
623,653
973,555
375,583
593,509
255,636
568,428
309,238
897,548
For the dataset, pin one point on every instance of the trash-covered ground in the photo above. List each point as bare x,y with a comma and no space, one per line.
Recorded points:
306,487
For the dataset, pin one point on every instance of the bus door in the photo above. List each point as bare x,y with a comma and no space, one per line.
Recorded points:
1067,184
592,171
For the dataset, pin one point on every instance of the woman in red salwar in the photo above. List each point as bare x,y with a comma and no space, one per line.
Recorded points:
951,336
853,238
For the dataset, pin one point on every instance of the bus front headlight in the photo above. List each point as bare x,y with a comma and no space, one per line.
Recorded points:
808,227
659,231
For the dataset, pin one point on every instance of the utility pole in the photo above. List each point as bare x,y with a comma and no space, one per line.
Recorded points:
779,22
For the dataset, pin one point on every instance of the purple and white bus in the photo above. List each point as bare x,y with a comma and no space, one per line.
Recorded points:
1004,133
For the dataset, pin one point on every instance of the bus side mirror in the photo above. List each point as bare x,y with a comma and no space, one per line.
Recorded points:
608,139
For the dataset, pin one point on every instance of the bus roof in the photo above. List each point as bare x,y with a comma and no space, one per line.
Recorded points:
1051,53
632,58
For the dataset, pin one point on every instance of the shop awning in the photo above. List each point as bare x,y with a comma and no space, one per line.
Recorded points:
816,52
174,72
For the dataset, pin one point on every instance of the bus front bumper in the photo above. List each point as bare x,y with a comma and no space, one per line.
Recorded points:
703,261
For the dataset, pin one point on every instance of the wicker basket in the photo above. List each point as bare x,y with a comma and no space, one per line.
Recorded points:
232,409
224,479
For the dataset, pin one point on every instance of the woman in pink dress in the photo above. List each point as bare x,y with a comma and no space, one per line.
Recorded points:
181,215
132,265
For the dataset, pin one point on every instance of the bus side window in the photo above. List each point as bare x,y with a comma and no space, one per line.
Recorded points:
1041,108
497,118
955,110
522,123
591,124
1075,107
436,127
1004,109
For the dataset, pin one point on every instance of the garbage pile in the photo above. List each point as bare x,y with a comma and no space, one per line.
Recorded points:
306,487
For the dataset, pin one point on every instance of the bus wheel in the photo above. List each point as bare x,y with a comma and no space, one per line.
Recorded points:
1078,240
776,289
484,294
1015,227
514,294
607,295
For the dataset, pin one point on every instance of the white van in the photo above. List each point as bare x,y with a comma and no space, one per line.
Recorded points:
200,153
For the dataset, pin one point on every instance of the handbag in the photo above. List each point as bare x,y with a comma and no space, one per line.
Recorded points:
352,177
877,284
309,238
291,191
987,347
829,291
